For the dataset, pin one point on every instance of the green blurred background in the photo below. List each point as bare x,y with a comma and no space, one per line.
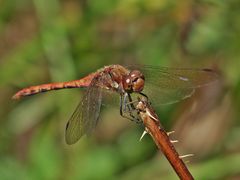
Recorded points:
58,40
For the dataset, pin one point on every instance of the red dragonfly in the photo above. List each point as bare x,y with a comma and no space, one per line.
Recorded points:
162,85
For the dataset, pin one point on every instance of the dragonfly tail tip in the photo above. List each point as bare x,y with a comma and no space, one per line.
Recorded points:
15,97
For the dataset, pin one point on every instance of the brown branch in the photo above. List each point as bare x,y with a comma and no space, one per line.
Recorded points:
161,139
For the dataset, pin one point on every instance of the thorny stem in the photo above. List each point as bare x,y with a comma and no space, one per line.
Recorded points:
161,139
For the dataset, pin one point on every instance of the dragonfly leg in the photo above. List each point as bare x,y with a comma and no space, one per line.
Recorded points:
125,101
133,108
121,112
144,95
127,108
123,107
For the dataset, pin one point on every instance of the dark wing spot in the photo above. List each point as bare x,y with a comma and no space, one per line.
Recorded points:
67,125
208,70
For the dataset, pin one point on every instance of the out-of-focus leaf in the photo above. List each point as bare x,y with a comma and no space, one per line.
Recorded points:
8,164
45,157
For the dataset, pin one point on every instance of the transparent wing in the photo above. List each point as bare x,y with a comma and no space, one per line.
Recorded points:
162,96
169,85
85,117
74,128
92,109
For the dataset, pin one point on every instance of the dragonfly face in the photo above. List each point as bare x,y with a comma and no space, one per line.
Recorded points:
134,82
122,80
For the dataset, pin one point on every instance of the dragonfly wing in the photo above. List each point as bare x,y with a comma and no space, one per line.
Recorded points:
168,85
92,108
165,77
160,96
85,117
74,127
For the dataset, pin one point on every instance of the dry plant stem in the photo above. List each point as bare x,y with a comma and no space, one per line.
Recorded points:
164,144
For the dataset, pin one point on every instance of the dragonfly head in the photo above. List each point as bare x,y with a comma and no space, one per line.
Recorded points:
134,81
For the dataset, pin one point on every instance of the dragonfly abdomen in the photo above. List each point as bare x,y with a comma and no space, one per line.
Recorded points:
84,82
38,89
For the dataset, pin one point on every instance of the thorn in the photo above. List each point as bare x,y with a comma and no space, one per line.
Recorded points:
148,113
171,132
174,141
187,155
143,134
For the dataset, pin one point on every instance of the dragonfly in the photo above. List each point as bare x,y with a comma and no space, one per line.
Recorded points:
160,84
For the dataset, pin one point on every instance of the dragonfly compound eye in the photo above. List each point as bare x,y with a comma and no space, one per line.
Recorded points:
138,81
133,82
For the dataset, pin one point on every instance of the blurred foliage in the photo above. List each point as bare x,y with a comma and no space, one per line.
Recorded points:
45,41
